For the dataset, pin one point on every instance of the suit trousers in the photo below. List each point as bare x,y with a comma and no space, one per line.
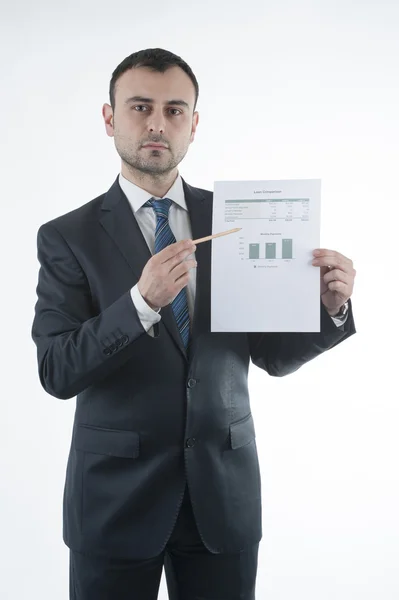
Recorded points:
191,571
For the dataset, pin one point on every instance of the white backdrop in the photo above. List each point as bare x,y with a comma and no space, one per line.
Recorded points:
287,90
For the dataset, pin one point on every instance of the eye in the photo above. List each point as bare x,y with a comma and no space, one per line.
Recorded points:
144,106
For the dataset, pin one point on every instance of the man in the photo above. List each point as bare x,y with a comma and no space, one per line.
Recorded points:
163,466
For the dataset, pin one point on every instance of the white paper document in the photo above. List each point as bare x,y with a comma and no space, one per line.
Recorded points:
262,276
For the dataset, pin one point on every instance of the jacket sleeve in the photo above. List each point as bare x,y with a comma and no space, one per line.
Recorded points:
74,348
282,353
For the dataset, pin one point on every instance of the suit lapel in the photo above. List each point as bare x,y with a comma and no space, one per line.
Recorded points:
118,220
200,211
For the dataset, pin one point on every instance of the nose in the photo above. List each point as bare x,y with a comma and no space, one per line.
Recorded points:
156,121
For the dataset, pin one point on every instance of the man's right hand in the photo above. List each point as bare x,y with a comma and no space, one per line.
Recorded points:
166,273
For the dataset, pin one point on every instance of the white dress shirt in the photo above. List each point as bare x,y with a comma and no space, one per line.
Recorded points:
179,222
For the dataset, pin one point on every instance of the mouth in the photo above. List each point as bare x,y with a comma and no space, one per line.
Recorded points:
155,146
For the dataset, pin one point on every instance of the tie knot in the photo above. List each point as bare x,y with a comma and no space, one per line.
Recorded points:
161,207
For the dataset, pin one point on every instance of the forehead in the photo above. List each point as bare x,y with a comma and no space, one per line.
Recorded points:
162,87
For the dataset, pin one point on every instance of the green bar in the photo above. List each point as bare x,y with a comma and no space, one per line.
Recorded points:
253,250
287,248
270,250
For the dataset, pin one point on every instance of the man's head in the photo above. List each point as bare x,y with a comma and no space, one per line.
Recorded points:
153,96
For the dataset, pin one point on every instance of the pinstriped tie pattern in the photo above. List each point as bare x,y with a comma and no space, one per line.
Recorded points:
163,238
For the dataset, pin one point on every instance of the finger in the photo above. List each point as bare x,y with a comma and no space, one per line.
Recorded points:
178,259
334,263
182,281
333,254
183,268
340,287
337,275
178,247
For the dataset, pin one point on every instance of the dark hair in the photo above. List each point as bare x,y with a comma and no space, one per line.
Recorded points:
156,59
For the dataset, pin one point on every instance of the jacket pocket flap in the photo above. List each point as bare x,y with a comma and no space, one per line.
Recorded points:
242,432
112,442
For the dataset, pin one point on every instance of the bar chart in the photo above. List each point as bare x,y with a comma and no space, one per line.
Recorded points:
270,250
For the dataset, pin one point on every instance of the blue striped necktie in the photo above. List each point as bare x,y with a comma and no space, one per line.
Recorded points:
163,238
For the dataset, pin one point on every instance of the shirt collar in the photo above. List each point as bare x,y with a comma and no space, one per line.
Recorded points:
137,196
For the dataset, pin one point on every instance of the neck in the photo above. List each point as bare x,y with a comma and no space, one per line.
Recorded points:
157,185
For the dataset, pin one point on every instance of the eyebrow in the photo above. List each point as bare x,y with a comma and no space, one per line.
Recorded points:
151,101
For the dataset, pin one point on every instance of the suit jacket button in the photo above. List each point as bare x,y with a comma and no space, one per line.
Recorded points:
190,443
112,347
192,383
125,339
118,343
107,351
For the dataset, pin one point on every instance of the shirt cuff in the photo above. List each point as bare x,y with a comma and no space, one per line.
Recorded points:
339,321
147,316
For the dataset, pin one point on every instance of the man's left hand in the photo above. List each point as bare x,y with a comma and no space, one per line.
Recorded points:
337,278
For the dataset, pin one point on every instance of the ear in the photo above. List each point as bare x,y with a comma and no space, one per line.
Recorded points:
108,119
194,126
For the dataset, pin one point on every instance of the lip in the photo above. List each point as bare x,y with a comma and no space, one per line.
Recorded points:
158,146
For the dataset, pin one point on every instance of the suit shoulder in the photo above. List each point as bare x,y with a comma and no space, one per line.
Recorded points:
84,214
206,194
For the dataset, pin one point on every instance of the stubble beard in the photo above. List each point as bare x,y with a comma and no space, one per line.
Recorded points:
154,164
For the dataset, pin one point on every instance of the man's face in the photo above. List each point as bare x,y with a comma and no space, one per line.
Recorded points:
153,107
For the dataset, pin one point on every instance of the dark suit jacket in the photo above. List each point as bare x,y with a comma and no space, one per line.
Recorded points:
149,415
